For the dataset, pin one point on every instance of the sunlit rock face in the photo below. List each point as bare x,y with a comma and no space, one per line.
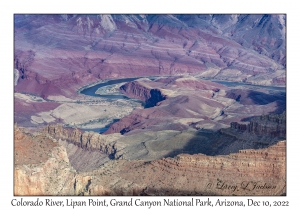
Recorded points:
57,54
256,172
182,130
177,103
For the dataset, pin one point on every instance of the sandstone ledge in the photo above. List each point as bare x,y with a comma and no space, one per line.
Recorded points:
249,172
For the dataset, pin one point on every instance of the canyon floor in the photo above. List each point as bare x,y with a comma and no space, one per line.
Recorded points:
247,172
184,125
149,105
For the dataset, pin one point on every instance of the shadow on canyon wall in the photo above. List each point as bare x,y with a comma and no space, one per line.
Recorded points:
260,132
252,97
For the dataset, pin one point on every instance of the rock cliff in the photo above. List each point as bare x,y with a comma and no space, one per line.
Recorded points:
186,101
151,96
255,172
273,125
144,45
86,140
42,167
191,138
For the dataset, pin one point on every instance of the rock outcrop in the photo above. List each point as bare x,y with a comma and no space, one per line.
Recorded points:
143,45
42,167
255,172
151,96
273,125
279,81
190,138
86,140
168,103
186,101
248,172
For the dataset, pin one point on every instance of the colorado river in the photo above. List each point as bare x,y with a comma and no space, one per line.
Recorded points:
91,91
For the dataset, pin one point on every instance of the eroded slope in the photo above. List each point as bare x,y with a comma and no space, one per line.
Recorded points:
256,172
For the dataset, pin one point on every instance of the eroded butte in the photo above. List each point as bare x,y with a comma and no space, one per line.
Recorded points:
149,104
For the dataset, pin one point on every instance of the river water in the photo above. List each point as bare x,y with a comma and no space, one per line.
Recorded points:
91,91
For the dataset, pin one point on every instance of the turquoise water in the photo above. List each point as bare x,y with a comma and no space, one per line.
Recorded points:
90,91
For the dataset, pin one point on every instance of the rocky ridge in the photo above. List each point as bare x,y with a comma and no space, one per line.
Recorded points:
56,55
43,172
273,125
152,145
177,103
169,102
86,140
259,172
151,96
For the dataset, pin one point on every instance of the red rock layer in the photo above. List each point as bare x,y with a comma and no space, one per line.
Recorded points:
23,110
31,149
167,107
249,172
267,125
55,54
86,140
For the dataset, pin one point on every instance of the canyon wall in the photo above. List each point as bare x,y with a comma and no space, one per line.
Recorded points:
273,125
192,138
185,101
55,55
86,140
42,167
255,172
151,96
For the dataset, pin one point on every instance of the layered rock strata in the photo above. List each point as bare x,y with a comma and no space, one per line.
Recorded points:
272,125
56,55
177,103
86,140
42,167
149,95
249,172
